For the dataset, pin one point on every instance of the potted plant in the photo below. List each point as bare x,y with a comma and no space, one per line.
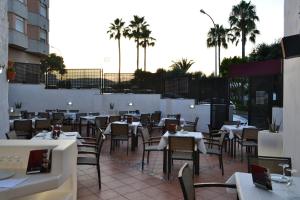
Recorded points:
11,71
18,105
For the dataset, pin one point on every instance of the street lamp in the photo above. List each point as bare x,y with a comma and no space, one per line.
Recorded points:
216,52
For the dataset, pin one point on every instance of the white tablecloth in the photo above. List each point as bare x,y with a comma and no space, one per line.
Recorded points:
62,136
233,129
197,135
162,121
247,190
132,127
91,118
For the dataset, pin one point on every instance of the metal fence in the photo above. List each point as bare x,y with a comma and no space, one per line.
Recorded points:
28,73
75,78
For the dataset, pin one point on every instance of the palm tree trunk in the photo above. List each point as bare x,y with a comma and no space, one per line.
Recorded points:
243,44
119,47
219,48
145,57
137,54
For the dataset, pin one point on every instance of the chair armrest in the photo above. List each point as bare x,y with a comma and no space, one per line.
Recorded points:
149,142
87,152
153,138
86,138
86,145
92,143
199,185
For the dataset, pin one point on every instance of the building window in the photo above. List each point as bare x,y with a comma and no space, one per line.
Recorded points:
43,10
43,36
20,24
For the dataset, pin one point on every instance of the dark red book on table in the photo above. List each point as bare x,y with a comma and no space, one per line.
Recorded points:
39,161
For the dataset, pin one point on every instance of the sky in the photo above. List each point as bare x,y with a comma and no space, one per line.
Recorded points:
78,31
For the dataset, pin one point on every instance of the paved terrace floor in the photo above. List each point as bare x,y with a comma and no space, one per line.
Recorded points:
123,179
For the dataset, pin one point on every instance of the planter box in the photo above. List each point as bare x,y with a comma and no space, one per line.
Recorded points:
270,144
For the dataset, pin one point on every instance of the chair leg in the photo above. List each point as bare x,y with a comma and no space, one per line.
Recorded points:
143,160
111,143
241,153
127,146
222,166
148,157
99,176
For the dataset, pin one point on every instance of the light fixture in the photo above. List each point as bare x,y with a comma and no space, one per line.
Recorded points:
11,109
2,68
130,104
192,106
70,103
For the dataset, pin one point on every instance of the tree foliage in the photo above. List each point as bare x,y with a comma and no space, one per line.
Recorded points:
242,24
227,62
53,63
266,52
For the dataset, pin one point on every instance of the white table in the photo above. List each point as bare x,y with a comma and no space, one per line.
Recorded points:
233,129
197,135
247,190
162,121
62,136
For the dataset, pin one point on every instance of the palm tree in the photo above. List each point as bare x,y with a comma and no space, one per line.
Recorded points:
217,37
116,31
147,40
134,31
242,22
182,65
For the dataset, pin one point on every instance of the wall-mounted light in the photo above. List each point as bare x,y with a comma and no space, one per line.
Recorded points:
2,68
192,106
70,103
11,109
130,104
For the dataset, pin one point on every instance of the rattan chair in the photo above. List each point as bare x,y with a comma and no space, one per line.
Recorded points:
191,126
88,160
181,148
176,116
29,115
23,128
155,118
145,119
78,123
94,113
114,118
45,115
57,118
101,122
272,163
42,124
248,140
148,144
119,132
215,147
188,186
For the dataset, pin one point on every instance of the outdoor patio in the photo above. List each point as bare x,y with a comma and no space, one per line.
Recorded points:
122,177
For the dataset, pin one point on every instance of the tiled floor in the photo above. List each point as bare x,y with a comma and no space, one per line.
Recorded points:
122,177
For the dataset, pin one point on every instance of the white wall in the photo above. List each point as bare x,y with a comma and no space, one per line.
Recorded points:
3,61
291,96
277,116
36,98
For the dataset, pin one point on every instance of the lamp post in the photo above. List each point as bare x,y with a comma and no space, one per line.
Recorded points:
216,51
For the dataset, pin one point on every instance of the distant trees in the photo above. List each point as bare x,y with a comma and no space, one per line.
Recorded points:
147,41
116,31
242,23
181,67
217,37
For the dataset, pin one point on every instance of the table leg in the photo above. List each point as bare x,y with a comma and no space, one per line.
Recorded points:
88,129
80,124
133,141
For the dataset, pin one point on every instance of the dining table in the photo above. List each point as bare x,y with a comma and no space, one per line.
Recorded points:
162,121
46,135
280,190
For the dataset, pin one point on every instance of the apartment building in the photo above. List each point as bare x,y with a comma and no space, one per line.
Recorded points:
28,31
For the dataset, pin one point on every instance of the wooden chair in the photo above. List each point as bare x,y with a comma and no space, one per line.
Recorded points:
78,123
155,118
23,128
148,144
94,113
191,126
88,160
181,148
114,118
272,163
188,186
248,140
90,143
119,132
101,122
215,147
176,116
29,115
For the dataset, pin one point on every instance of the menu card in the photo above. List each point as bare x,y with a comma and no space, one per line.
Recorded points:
39,161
